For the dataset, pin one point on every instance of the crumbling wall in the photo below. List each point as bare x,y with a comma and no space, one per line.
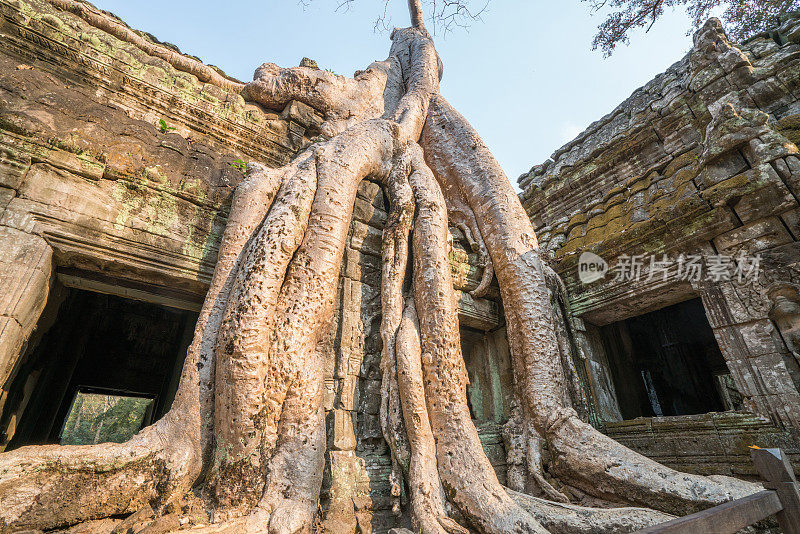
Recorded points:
357,484
97,192
702,162
87,179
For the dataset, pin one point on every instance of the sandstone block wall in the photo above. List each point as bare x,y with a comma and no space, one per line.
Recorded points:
93,194
702,160
357,486
88,182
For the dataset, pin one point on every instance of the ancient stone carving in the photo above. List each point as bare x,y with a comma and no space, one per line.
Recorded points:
731,129
244,440
785,312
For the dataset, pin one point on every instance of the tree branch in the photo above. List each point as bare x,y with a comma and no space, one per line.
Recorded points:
415,10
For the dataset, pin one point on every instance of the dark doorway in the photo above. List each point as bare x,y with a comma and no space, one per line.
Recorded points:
667,362
105,367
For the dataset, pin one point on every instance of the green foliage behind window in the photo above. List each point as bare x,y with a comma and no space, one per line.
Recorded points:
98,418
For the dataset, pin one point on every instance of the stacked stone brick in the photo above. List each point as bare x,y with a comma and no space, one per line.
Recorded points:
703,161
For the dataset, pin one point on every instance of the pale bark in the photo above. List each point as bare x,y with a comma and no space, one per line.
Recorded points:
461,216
466,473
242,356
427,493
415,10
586,458
248,413
559,301
394,250
343,101
75,483
306,306
560,518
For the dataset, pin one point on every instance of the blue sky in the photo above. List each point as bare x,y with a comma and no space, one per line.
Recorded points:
525,76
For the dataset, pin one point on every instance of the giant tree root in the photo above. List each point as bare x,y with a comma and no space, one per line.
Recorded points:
584,457
246,431
560,518
51,486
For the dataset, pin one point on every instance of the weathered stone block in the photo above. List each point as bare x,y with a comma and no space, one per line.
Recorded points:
366,212
370,397
760,337
347,397
793,181
742,76
298,112
347,475
342,430
723,168
744,378
329,394
714,443
352,339
732,59
360,298
782,409
365,239
482,314
12,339
769,147
143,232
769,92
763,47
362,267
754,237
715,90
677,139
770,370
372,193
80,166
14,164
735,306
5,197
792,221
25,272
26,292
369,427
772,199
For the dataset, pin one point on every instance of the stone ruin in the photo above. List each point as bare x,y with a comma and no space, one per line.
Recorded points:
688,191
116,172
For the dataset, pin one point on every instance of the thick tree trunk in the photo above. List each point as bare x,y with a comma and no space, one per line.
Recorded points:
246,428
582,456
427,494
242,418
466,472
394,250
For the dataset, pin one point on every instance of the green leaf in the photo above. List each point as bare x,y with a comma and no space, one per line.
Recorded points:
164,127
240,165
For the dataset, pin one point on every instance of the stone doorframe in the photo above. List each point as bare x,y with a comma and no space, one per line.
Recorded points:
755,353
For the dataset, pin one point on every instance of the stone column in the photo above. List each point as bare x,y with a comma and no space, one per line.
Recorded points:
26,268
354,370
754,353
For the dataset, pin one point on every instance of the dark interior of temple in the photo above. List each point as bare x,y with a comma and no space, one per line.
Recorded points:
667,362
107,354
